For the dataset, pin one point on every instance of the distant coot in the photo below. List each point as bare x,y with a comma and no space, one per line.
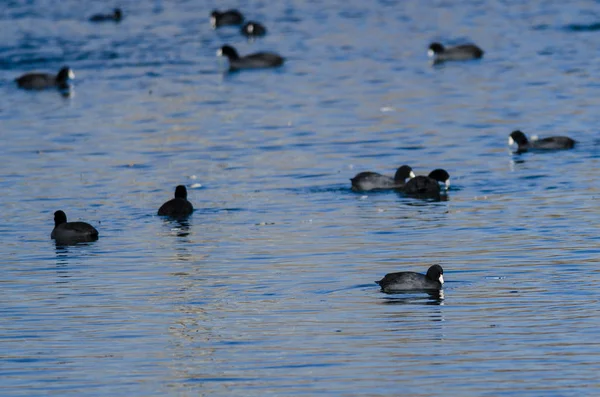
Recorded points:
366,181
229,17
116,16
253,29
178,207
551,143
463,52
72,232
411,281
428,186
40,81
252,61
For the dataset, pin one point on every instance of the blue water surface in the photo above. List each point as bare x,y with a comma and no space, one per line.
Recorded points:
268,288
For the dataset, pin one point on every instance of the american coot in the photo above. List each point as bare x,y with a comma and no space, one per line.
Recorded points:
252,61
71,232
551,143
253,29
40,81
410,281
116,16
229,17
178,207
366,181
463,52
428,186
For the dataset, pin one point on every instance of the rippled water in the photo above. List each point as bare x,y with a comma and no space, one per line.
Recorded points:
268,288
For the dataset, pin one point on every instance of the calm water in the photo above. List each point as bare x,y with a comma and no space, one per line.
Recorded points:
268,288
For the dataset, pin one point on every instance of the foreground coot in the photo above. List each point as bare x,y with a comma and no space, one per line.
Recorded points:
177,207
42,81
226,18
253,61
72,232
551,143
463,52
410,281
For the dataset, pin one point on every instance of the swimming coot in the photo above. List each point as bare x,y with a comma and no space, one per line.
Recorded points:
41,81
116,16
253,29
551,143
229,17
179,206
252,61
72,232
428,186
366,181
463,52
410,281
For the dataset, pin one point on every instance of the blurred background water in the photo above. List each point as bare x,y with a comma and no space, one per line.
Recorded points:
268,288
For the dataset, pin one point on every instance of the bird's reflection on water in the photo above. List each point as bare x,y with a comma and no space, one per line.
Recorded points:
414,298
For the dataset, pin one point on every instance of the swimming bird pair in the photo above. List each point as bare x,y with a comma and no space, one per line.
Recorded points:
74,232
233,18
416,185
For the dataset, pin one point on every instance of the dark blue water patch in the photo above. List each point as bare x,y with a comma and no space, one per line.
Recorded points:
308,176
303,133
537,83
325,189
237,342
352,287
303,145
272,148
27,360
384,232
479,126
126,336
133,166
592,27
543,26
532,177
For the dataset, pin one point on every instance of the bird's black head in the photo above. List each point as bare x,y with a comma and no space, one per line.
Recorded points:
64,75
59,218
403,173
181,192
435,273
435,48
117,14
441,176
518,137
229,52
